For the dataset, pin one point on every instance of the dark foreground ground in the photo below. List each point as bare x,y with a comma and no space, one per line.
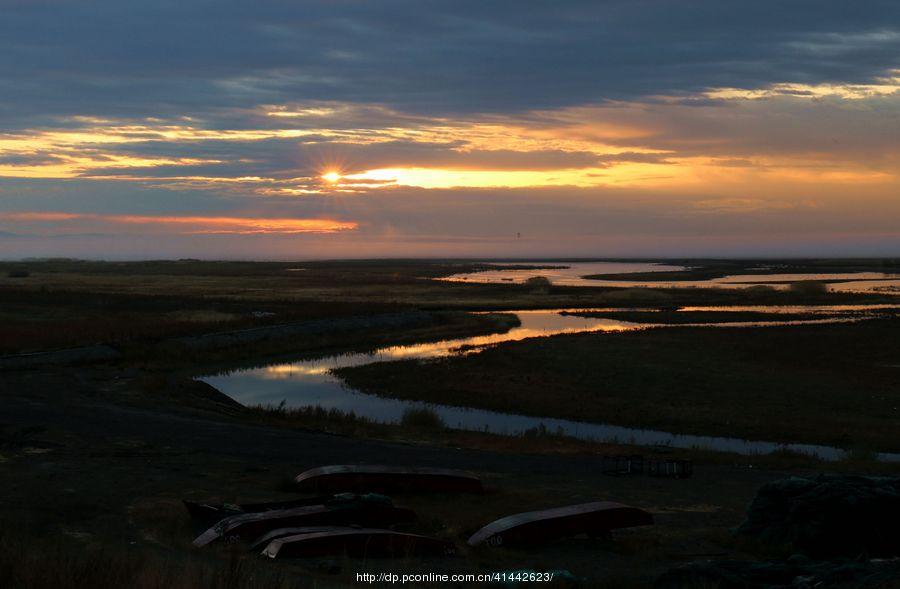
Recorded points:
91,483
95,458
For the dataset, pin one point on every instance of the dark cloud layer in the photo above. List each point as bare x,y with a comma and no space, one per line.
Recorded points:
170,58
588,125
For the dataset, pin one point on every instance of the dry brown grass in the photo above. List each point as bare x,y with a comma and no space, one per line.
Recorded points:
63,563
825,384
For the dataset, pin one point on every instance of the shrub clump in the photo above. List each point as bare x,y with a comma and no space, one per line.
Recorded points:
831,516
809,287
539,281
422,418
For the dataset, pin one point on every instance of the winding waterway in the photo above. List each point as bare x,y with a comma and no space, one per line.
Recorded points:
311,383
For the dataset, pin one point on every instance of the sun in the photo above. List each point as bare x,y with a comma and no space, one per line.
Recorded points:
332,176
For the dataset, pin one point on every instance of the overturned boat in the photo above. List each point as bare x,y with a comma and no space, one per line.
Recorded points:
264,540
248,526
538,527
205,515
387,479
357,543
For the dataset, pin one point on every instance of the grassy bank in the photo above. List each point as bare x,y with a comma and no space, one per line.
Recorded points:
427,428
169,357
68,303
829,384
69,316
682,317
27,560
712,269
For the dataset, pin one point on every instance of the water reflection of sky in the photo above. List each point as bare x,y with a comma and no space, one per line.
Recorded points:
311,383
573,275
566,274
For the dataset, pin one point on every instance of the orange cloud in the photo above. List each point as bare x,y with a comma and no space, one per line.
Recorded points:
721,140
196,224
39,216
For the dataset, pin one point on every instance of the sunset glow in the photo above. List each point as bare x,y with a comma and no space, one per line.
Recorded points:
768,147
192,225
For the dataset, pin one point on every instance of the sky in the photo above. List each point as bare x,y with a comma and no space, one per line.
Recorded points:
302,129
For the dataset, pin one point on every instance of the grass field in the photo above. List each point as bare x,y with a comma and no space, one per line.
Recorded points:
830,384
70,303
710,269
682,317
94,459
